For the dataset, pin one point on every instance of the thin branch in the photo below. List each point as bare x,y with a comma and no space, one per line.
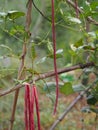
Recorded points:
47,75
68,109
81,11
37,26
60,71
20,74
20,71
54,54
77,11
41,13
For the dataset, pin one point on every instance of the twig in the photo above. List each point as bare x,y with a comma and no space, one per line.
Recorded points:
54,55
77,11
68,109
41,13
48,74
17,91
60,71
37,26
20,71
81,11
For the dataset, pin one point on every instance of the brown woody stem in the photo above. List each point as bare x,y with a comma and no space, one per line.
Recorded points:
20,71
49,74
17,91
81,11
77,11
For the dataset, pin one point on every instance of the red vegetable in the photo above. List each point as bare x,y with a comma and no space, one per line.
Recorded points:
32,108
55,64
30,97
37,107
26,110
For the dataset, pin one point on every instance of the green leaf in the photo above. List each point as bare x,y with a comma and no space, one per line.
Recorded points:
94,5
74,20
18,29
15,14
67,77
92,34
50,86
59,54
79,43
91,100
50,47
86,109
61,11
67,88
7,47
42,60
87,9
59,51
78,88
33,52
88,47
32,71
18,81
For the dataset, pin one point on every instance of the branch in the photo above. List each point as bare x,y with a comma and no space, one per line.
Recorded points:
68,109
81,11
37,26
41,13
48,74
21,68
20,76
76,9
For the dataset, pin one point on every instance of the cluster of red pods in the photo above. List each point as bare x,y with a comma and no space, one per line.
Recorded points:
31,96
31,99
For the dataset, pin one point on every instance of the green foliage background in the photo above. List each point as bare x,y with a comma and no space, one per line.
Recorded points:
74,44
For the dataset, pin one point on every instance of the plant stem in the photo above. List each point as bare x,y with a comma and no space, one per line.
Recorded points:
20,71
77,11
47,75
91,20
54,48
